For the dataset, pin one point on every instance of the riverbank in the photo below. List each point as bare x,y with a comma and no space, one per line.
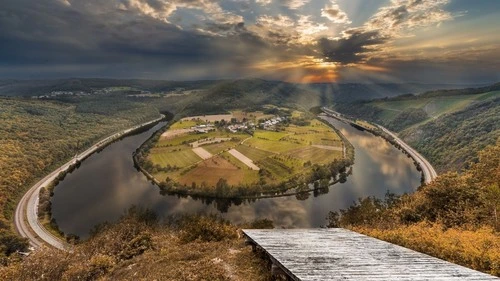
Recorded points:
26,215
423,166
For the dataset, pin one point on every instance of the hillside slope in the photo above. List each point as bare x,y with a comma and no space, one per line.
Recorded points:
456,217
39,87
451,141
38,135
140,248
447,126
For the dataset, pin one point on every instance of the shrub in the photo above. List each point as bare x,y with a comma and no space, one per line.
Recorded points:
206,229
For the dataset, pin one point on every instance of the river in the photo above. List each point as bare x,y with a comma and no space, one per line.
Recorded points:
107,184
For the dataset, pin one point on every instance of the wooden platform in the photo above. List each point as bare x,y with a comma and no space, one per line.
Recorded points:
340,254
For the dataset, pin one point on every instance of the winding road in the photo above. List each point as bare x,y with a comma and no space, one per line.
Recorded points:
26,214
429,172
26,217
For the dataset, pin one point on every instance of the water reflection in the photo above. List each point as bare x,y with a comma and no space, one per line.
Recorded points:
107,184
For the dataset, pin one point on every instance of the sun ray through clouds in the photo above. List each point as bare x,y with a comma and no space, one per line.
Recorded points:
298,41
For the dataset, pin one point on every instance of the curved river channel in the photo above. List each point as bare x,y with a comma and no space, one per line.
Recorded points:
107,184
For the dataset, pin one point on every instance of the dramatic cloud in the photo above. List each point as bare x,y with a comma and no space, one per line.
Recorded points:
393,21
404,15
293,4
283,30
295,40
155,8
333,12
351,48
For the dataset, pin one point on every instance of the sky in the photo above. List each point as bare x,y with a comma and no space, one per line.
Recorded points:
393,41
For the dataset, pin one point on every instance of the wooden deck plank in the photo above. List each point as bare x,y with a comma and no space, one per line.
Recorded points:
340,254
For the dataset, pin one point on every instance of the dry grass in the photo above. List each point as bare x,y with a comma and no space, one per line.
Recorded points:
135,250
478,249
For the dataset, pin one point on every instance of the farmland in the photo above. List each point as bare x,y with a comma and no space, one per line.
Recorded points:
242,150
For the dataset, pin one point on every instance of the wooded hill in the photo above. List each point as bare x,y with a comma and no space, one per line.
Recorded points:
446,126
36,136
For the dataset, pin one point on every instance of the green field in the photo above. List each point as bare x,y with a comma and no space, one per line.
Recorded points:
278,155
182,158
253,153
272,146
183,124
217,148
192,137
268,135
315,155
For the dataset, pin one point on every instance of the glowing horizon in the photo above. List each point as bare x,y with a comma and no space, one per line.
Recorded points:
448,41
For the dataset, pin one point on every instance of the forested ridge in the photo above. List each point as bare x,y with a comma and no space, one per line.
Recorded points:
452,141
36,136
448,126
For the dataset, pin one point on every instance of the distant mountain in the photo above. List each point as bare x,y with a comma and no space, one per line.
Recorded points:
305,94
40,87
342,93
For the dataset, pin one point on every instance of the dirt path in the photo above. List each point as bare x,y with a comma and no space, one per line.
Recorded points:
246,140
245,160
200,151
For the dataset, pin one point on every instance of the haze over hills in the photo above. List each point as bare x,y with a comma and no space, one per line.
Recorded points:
321,93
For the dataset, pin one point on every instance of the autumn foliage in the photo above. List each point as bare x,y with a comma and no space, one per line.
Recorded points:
454,218
138,247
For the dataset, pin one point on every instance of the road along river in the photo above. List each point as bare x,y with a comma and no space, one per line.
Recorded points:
26,217
107,184
429,173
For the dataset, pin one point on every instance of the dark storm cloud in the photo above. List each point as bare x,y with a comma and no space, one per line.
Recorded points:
50,33
387,24
204,39
350,49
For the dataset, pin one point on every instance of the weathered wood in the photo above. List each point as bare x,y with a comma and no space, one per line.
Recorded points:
340,254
